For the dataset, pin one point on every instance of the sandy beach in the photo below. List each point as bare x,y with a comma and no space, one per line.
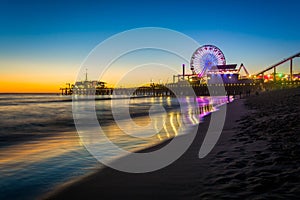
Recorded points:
256,157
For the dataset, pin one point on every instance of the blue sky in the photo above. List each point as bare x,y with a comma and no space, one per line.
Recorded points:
257,33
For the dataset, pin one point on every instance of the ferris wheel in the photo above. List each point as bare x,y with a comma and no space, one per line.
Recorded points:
206,57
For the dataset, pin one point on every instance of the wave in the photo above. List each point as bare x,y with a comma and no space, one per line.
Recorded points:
11,100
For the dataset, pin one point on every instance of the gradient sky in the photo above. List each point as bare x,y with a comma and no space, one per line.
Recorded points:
43,43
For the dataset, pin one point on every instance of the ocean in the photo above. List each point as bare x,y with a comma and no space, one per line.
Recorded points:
40,148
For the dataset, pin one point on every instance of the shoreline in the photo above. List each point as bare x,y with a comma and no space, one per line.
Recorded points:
256,157
111,178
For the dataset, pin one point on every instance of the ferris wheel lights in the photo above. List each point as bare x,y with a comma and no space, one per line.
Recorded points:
205,58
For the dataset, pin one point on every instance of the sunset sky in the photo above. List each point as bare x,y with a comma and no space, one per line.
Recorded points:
43,43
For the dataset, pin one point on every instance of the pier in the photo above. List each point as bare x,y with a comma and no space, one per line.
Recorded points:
205,81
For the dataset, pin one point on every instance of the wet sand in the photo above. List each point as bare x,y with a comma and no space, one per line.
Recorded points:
256,157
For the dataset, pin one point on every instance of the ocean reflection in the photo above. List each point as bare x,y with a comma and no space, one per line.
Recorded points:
180,113
40,148
21,155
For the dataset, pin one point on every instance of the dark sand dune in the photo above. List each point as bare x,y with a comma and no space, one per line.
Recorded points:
256,157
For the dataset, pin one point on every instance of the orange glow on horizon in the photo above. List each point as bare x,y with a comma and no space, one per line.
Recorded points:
28,87
31,76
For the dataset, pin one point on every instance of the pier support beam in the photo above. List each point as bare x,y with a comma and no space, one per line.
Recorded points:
291,70
183,71
274,76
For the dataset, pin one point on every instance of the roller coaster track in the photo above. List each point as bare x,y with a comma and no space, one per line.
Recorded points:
279,63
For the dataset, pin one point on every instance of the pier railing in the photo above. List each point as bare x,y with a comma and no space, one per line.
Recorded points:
200,89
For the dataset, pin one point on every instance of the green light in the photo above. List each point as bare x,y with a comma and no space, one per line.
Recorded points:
280,75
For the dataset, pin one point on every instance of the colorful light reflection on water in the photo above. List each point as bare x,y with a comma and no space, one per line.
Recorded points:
40,149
